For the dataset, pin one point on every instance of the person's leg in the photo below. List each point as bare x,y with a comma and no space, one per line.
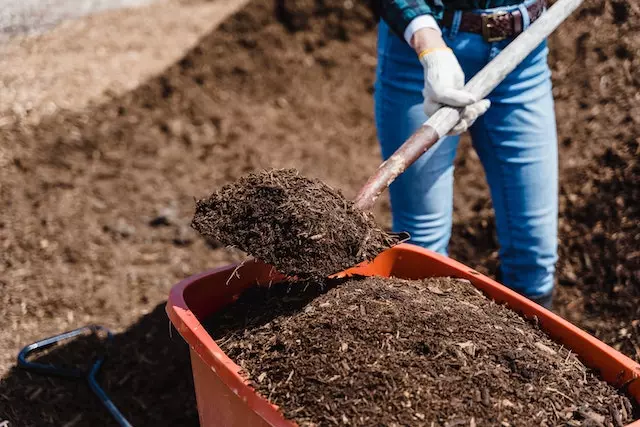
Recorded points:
517,144
422,197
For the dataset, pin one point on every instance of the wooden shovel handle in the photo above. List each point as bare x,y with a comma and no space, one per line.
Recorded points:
480,85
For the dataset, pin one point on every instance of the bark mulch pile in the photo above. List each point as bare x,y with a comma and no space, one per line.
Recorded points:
376,351
300,226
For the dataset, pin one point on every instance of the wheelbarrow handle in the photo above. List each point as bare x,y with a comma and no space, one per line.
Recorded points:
443,120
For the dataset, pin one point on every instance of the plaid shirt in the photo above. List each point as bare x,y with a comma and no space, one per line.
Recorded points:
399,13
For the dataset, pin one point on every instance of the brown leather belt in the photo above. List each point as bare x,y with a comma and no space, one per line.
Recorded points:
495,26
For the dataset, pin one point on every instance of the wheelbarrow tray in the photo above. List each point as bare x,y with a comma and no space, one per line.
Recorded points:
224,396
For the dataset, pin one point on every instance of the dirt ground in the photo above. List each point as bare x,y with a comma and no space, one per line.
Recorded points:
37,16
97,201
97,57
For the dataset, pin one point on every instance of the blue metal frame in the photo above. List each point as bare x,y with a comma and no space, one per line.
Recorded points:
74,373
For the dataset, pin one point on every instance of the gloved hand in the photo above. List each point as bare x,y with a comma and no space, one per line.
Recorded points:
444,85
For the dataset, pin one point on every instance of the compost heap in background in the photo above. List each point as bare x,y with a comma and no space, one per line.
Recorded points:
301,226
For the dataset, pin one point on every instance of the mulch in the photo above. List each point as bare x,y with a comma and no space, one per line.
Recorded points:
300,226
377,351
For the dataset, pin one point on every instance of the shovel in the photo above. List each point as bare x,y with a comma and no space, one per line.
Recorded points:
441,123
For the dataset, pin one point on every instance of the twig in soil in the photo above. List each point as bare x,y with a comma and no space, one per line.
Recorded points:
568,356
560,393
74,421
140,402
35,394
437,355
289,377
235,270
125,378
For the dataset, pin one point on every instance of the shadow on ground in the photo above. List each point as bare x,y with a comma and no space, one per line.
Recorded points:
147,374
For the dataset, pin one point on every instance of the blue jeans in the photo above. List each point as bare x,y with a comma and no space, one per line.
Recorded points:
515,140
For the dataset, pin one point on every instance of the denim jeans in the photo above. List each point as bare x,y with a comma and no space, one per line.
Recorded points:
515,140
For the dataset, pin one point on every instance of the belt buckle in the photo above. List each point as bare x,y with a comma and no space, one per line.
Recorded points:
487,25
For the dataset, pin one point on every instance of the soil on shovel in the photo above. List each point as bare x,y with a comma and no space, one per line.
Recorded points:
301,226
376,351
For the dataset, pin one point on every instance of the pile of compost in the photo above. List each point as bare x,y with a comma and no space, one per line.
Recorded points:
376,351
300,226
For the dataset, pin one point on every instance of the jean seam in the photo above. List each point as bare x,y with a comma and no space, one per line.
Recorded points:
455,26
382,56
503,191
381,103
382,62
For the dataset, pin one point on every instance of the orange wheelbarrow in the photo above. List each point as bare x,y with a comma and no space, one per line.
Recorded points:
225,398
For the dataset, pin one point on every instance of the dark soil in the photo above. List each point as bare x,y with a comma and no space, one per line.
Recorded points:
96,205
600,261
301,226
375,351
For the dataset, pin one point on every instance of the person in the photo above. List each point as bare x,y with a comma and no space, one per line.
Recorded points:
426,51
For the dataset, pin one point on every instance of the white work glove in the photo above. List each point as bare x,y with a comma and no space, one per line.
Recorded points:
444,85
